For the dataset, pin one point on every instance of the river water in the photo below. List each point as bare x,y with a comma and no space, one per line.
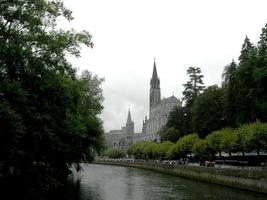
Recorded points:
104,182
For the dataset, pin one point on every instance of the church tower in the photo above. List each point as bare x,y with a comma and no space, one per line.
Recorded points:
129,129
154,89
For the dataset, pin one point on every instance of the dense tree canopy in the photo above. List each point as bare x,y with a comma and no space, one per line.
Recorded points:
241,99
207,112
48,114
247,138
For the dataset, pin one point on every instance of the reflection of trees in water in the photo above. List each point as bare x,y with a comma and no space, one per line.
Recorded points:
19,190
70,191
115,183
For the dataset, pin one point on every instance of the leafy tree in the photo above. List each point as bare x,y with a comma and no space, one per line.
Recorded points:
232,95
194,86
214,143
169,134
48,115
183,146
260,77
137,149
179,118
228,140
114,153
207,112
150,150
163,148
246,83
200,149
252,137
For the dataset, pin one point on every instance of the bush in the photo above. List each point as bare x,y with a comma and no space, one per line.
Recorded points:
114,153
183,146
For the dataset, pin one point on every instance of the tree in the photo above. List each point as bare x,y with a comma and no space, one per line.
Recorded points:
214,143
232,95
183,146
169,134
114,153
228,140
48,114
194,86
163,148
246,83
252,137
200,149
178,119
260,76
207,112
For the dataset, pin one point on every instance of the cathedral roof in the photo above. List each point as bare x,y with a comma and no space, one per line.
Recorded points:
171,99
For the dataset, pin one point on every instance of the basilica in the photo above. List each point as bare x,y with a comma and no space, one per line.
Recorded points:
159,110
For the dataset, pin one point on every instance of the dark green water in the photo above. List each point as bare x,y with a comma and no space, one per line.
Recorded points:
103,182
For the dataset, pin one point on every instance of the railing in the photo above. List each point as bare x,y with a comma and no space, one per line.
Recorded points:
179,162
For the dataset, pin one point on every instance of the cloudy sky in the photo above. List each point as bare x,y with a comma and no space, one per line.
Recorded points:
128,34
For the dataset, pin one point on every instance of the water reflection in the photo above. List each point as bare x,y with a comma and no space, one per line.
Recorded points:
103,182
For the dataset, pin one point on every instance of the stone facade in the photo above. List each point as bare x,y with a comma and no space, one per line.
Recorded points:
121,139
159,110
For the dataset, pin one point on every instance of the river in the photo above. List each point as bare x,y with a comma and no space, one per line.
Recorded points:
104,182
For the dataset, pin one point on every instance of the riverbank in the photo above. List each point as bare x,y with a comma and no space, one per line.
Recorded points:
253,180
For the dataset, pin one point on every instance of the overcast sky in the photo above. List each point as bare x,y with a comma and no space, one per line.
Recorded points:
179,33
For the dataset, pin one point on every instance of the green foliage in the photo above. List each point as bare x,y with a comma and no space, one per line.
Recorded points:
207,112
240,100
252,137
178,119
137,150
48,114
169,134
163,149
200,149
228,140
181,117
150,150
183,146
214,142
231,91
114,153
246,82
194,86
246,138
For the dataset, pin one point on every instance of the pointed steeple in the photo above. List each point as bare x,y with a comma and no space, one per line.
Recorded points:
129,119
154,93
154,74
154,81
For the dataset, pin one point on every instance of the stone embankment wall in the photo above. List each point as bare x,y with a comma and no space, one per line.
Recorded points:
254,180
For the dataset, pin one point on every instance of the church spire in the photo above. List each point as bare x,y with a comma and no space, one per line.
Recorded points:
129,119
154,74
154,81
154,94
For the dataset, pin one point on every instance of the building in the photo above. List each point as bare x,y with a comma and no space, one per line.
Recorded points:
159,110
121,139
